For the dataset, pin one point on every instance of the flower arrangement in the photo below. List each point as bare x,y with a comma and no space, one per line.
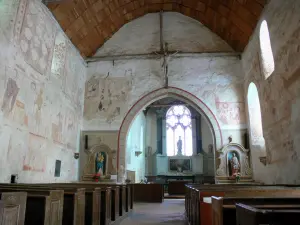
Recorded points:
237,176
96,177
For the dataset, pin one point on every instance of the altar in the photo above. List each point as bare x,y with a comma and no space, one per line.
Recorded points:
166,178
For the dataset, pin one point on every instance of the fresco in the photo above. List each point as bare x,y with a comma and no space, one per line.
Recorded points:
36,38
106,97
41,94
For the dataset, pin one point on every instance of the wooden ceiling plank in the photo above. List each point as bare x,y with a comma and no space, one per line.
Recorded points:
89,23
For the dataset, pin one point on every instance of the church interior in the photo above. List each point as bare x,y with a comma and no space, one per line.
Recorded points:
149,112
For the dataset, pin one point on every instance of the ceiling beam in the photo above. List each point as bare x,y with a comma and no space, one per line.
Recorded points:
55,1
159,55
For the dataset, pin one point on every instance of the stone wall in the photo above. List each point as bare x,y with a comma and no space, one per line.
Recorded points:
279,93
41,96
113,87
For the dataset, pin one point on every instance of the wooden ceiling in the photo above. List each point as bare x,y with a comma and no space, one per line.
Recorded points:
89,23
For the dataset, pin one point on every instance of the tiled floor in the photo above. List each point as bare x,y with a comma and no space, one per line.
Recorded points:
171,211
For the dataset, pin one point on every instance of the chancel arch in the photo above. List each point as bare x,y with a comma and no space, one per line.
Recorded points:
179,94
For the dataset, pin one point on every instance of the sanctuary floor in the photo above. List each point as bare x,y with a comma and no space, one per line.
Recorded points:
171,211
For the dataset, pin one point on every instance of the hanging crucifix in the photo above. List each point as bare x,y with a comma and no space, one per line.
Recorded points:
165,66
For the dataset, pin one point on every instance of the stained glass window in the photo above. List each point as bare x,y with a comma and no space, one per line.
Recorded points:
179,126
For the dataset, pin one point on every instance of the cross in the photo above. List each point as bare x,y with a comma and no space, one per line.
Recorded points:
166,58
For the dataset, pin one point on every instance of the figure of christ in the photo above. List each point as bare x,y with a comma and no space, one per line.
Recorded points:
179,146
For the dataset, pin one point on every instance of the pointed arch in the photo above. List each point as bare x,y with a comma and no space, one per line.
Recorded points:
155,95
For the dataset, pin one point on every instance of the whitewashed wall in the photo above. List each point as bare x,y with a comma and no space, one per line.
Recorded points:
279,94
41,94
136,142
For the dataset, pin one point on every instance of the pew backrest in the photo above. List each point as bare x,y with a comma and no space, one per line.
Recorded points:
13,207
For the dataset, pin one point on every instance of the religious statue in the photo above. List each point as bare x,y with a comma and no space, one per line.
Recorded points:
179,146
235,164
100,163
230,138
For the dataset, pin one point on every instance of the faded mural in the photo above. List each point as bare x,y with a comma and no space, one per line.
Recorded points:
41,96
279,94
106,97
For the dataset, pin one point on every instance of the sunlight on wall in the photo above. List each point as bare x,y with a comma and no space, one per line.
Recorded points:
256,130
267,59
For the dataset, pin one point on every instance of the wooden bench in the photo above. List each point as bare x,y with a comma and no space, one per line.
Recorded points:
86,208
110,193
249,215
74,201
148,193
177,187
224,209
42,206
112,200
198,211
12,208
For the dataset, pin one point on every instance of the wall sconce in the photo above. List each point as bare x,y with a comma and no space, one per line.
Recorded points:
76,155
137,153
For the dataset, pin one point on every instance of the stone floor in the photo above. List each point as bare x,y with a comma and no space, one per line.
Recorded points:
171,211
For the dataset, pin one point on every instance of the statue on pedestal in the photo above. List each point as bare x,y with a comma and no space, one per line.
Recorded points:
179,146
235,164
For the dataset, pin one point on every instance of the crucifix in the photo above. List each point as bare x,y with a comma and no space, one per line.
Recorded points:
164,52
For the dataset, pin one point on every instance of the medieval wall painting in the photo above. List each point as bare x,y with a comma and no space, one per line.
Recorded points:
10,95
59,56
37,38
231,113
41,95
8,12
106,97
35,159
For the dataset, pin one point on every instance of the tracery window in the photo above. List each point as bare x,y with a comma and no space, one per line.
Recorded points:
179,126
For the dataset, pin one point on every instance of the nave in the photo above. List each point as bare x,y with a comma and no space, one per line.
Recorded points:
171,211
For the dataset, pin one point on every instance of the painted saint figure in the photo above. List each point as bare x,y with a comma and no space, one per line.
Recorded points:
235,164
179,146
100,163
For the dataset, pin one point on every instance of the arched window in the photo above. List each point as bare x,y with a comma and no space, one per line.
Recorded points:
256,130
179,126
267,59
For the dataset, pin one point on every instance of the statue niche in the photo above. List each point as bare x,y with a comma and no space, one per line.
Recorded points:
99,160
232,159
233,163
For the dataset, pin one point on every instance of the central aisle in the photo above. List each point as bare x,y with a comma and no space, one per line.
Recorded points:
171,211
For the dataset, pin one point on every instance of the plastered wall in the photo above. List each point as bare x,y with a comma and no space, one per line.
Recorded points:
41,95
136,143
279,94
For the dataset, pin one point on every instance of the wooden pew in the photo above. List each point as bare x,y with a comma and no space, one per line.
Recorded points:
177,187
148,192
42,206
224,211
74,201
108,200
120,204
203,215
249,215
192,202
12,208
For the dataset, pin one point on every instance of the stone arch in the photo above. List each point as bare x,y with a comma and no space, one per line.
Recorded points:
155,95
